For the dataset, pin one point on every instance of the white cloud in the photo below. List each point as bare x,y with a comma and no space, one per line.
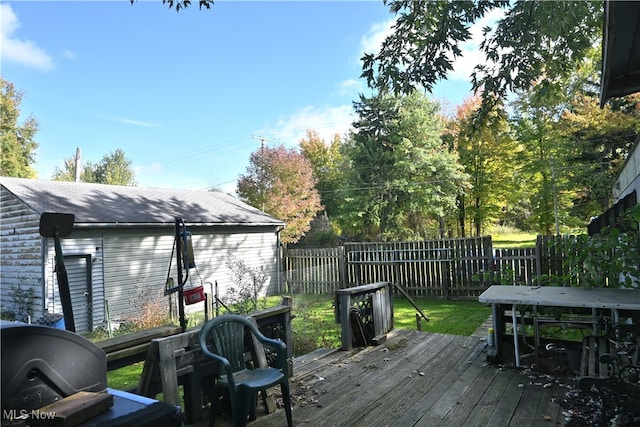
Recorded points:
372,42
471,54
327,121
69,54
462,66
14,49
349,87
135,122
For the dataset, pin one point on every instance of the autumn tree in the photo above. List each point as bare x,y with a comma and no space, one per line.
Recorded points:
403,179
488,155
16,139
535,41
280,182
327,162
114,169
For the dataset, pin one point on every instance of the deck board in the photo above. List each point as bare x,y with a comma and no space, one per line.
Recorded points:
373,387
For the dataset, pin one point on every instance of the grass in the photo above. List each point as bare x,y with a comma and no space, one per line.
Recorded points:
314,326
508,238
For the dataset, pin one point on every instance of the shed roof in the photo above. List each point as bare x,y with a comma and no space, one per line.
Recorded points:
100,204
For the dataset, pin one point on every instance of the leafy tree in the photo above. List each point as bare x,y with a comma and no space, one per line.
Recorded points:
183,4
403,177
574,148
114,169
599,140
280,182
488,156
535,41
16,139
327,162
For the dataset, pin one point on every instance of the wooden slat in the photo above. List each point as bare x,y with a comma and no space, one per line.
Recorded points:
72,410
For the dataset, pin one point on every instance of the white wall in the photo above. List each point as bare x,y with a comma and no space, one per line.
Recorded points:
20,250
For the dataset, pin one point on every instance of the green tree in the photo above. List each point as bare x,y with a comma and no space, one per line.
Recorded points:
599,140
16,139
280,182
183,4
403,178
535,41
114,168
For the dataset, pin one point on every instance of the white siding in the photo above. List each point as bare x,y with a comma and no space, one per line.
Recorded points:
137,262
78,244
629,178
136,265
20,243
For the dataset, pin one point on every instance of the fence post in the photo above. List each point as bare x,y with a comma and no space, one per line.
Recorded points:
538,259
342,267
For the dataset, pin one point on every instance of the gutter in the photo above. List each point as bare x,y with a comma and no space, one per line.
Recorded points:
102,225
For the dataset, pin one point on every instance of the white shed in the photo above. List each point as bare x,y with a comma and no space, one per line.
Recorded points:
120,249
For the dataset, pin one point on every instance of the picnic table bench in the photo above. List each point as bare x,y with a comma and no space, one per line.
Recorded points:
129,348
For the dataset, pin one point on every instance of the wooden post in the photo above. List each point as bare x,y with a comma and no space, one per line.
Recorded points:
418,322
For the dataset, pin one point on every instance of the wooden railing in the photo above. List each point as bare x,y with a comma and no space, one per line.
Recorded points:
177,359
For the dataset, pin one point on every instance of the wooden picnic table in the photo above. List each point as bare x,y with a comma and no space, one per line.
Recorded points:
503,298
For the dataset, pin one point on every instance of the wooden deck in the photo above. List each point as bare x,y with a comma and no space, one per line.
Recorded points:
415,379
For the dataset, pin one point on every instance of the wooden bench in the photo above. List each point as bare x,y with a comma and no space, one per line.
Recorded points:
126,349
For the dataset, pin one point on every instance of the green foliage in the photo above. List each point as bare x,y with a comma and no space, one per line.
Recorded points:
183,4
609,258
280,182
488,155
327,161
19,306
17,146
402,174
248,283
535,41
113,169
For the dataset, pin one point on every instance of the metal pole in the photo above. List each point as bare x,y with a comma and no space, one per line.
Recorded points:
183,323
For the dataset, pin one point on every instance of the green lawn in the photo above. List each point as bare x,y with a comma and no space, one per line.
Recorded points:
507,238
314,326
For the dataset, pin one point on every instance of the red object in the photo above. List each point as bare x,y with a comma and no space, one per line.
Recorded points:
193,295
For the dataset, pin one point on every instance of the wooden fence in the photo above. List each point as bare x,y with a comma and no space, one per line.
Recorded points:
445,268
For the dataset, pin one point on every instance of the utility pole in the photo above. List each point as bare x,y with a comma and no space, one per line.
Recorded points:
77,165
262,140
261,177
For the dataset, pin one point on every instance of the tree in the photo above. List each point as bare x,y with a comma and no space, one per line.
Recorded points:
280,182
183,4
114,169
403,178
599,139
535,42
16,139
327,162
488,156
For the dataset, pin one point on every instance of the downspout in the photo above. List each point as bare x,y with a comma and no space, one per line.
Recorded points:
279,248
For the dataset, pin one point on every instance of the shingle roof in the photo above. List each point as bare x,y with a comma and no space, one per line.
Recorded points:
112,204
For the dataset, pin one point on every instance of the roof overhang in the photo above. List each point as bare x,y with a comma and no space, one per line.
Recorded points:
620,49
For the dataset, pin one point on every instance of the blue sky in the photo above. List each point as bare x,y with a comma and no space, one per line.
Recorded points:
186,95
